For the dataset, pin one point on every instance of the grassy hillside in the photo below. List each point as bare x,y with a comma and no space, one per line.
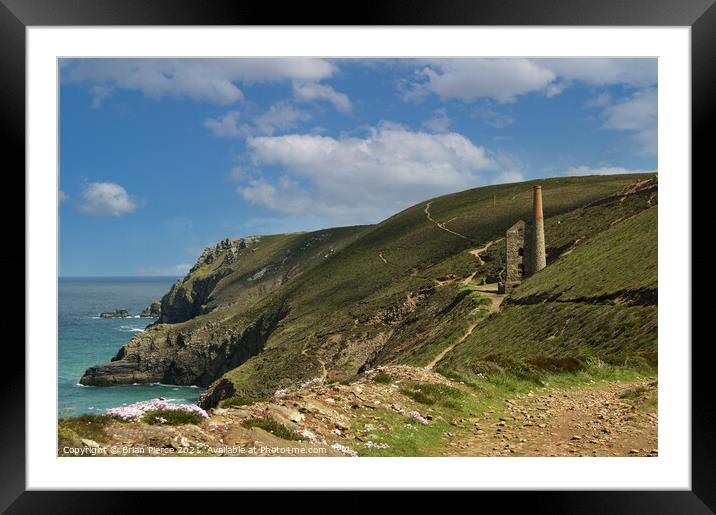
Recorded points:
241,272
618,261
598,302
381,299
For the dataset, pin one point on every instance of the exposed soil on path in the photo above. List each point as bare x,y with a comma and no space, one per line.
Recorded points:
490,290
589,420
442,354
477,252
324,371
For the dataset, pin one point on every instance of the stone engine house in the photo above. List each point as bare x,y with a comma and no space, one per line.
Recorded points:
514,255
524,247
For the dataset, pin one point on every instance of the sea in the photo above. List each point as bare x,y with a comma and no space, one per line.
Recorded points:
85,340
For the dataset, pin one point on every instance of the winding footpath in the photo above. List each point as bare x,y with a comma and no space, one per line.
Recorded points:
496,299
441,225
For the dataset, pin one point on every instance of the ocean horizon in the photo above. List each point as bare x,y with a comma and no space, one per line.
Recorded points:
85,339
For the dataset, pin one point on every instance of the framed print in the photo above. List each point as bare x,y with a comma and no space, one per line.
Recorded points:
424,242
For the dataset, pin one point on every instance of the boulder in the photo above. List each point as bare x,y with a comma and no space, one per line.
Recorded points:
154,310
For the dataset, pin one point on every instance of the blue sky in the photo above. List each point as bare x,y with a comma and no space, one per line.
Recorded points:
162,157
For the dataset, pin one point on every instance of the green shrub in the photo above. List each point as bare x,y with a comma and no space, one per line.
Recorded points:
382,378
485,368
633,393
236,401
272,426
517,368
171,417
85,426
642,360
557,364
430,394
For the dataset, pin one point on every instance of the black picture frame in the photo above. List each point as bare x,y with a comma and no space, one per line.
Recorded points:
700,15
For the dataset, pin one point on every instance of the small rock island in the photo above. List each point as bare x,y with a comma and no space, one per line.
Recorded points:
117,313
152,311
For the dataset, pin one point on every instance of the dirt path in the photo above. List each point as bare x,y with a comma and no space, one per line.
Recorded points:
324,371
582,421
477,252
440,356
441,225
490,290
380,255
487,290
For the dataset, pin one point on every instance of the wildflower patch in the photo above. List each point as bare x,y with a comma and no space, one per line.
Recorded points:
162,409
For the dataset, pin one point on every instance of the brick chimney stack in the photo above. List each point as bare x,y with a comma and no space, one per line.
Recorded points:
539,256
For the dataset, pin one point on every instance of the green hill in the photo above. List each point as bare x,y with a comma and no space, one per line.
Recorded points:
599,302
329,304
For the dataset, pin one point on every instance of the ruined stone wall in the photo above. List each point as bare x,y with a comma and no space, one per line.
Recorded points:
514,254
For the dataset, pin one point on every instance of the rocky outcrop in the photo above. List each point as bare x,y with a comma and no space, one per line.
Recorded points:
117,313
154,310
188,298
191,295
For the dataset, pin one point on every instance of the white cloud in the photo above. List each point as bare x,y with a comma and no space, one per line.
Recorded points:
505,79
604,170
467,79
604,71
555,88
237,174
311,91
106,199
279,117
638,114
212,80
439,122
507,177
226,126
601,100
99,93
358,180
64,197
632,113
492,117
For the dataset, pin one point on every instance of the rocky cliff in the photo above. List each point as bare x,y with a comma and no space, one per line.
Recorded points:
186,354
219,314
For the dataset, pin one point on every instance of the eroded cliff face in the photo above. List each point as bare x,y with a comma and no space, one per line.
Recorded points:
189,297
186,354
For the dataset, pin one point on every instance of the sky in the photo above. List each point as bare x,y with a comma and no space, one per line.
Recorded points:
160,158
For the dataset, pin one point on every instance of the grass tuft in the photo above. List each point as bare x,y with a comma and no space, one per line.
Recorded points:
431,394
272,426
85,426
171,417
237,401
382,378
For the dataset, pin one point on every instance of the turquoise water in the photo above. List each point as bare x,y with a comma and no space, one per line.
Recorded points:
86,340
